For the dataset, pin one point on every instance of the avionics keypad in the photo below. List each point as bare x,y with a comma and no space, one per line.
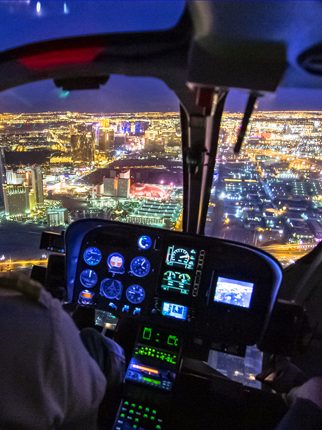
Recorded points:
134,415
157,354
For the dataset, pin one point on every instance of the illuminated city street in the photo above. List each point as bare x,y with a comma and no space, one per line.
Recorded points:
20,264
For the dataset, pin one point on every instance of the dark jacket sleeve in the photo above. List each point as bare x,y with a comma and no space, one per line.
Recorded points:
303,415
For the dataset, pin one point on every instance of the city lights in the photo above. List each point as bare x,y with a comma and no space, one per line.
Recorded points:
57,167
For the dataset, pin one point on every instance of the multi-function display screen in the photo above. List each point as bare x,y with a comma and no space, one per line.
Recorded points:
233,292
176,282
173,310
151,375
181,257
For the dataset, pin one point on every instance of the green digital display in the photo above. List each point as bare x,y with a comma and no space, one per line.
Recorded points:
172,340
151,381
176,282
163,339
182,257
156,353
147,333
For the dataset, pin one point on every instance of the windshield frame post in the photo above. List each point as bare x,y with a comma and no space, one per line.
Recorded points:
200,122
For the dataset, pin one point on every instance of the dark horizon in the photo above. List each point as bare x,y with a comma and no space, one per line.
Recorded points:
125,94
152,111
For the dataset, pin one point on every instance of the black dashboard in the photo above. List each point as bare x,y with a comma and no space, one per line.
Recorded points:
210,289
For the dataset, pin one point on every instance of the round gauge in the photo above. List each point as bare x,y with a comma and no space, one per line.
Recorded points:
181,255
169,275
111,288
92,256
140,266
144,242
115,262
135,294
85,297
88,278
185,278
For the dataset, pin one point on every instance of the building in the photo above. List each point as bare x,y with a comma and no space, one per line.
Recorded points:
87,148
82,142
157,214
14,178
111,137
16,200
119,140
103,140
301,234
32,200
57,217
123,184
37,185
140,127
316,228
116,185
74,142
109,187
123,187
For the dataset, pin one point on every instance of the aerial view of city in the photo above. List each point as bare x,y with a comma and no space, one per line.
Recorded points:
58,167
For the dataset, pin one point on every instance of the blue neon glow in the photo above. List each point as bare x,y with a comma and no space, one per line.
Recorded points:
135,294
85,297
115,262
173,310
88,278
144,242
140,266
92,256
111,289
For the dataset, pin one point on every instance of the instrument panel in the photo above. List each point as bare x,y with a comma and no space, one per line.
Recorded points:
212,289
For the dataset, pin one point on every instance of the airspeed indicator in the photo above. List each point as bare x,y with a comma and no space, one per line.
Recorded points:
181,257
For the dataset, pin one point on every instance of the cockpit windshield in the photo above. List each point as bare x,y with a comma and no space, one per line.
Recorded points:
116,153
270,195
113,154
28,21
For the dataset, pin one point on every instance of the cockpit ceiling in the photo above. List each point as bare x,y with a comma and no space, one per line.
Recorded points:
244,44
226,28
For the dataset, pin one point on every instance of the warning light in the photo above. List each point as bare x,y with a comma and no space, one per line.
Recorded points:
60,58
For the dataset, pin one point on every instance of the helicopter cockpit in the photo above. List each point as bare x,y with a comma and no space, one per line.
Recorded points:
183,294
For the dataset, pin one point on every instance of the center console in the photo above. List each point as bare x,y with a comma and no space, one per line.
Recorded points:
150,379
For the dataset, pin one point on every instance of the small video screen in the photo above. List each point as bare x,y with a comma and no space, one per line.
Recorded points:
233,292
182,257
105,319
174,310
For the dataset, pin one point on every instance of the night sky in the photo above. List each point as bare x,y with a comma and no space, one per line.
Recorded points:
25,21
